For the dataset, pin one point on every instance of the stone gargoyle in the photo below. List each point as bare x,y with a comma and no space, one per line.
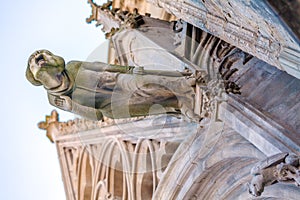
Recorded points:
282,167
94,89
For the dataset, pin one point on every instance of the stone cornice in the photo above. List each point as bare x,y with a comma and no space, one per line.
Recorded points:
77,130
255,31
55,128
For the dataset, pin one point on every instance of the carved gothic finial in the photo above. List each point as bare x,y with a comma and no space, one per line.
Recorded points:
49,119
282,167
94,11
50,124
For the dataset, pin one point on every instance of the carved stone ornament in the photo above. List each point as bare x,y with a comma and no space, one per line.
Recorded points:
215,60
51,125
249,25
113,20
56,128
94,90
112,160
283,167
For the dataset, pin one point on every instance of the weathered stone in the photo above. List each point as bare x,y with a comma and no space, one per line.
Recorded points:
251,26
94,90
282,167
163,157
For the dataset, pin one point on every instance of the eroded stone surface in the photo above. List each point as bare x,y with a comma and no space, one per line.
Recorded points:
250,25
283,167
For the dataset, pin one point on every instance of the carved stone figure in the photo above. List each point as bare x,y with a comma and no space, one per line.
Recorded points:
283,167
96,89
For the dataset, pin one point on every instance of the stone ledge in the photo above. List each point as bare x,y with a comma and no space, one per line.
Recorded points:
267,135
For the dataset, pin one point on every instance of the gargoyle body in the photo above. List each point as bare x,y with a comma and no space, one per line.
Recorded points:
96,89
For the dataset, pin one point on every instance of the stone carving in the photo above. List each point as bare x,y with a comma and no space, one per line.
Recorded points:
213,55
209,95
56,128
214,95
212,164
230,24
114,167
113,20
283,167
218,62
94,90
51,125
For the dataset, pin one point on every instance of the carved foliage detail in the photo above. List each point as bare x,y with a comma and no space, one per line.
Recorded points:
112,19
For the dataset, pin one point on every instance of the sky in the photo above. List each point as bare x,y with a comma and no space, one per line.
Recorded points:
29,167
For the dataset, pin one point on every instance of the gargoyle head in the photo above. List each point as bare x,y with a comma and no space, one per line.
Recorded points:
45,68
256,187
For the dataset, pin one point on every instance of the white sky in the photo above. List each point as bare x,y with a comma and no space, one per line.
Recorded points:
29,164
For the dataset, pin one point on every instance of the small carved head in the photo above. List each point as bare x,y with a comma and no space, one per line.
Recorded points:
45,68
256,187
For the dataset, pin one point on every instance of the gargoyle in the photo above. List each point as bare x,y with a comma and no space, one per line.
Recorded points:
282,167
95,89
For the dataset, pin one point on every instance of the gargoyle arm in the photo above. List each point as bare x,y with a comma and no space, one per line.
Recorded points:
66,103
74,66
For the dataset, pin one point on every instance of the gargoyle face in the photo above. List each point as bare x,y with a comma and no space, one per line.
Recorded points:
45,68
256,187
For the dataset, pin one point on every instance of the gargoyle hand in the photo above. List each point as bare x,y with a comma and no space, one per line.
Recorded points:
63,102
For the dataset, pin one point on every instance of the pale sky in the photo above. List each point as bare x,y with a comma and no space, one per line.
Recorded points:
29,164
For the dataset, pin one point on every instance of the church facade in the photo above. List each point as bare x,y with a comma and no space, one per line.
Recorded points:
247,144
